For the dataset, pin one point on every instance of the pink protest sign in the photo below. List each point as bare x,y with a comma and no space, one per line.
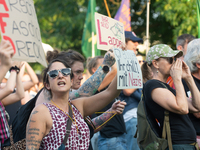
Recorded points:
129,75
110,32
19,25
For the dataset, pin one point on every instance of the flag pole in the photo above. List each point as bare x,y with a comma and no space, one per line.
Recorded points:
107,8
147,27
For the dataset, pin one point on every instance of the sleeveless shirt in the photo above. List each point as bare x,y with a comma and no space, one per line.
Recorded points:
76,141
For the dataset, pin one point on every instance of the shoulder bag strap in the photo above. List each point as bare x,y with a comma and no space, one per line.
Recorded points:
68,127
166,128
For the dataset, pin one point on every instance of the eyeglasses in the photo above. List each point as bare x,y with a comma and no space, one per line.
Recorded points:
54,73
141,61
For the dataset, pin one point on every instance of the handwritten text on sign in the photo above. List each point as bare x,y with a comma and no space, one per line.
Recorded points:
19,25
110,32
129,74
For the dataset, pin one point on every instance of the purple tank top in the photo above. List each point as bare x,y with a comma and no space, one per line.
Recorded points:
76,141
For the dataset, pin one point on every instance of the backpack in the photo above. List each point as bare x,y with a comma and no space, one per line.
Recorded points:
148,131
18,127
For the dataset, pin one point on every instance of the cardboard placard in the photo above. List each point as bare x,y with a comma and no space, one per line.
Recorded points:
110,32
129,75
19,25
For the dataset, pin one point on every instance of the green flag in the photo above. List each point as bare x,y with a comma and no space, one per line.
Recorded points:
89,39
198,17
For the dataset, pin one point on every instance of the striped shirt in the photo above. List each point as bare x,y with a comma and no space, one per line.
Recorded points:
4,129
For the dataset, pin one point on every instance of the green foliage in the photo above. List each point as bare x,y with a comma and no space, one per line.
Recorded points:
62,22
181,15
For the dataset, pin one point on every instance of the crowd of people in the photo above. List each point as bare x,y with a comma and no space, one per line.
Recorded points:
94,114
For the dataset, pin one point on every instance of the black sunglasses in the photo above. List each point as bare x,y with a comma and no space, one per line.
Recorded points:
170,59
54,73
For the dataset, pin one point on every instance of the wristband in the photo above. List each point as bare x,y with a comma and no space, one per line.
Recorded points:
15,68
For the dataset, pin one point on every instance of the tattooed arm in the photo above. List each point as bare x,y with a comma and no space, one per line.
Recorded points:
91,85
100,121
37,127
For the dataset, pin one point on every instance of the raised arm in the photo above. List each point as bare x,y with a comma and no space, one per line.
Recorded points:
98,101
194,102
18,95
91,85
100,121
34,79
6,53
10,85
109,77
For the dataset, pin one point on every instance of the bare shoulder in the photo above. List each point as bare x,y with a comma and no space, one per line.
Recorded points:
40,111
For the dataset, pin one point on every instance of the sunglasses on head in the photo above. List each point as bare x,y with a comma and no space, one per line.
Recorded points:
54,73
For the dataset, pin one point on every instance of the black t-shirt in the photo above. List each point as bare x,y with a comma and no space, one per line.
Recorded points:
182,130
115,127
195,121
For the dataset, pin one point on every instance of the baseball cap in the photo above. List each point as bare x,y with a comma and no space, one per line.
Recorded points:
161,50
132,36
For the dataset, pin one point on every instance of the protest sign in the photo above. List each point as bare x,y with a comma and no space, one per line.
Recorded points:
19,25
110,32
129,73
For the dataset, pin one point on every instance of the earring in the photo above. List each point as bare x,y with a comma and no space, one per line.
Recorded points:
157,71
70,89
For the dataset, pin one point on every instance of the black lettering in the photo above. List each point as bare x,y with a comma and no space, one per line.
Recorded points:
37,50
20,46
25,33
29,27
120,66
28,49
15,27
23,6
29,8
11,5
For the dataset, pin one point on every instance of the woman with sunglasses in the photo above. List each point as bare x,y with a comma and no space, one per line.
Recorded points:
159,96
47,123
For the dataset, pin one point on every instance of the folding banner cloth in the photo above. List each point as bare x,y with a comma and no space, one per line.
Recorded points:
19,25
89,39
123,15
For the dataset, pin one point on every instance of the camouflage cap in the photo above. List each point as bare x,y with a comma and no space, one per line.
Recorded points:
161,50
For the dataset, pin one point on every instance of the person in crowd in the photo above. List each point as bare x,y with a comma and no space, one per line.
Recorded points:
6,53
181,45
92,65
182,42
132,41
159,96
192,59
87,89
76,58
27,84
29,79
140,59
43,120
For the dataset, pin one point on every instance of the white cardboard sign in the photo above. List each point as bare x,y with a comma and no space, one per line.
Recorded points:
110,32
129,75
19,25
